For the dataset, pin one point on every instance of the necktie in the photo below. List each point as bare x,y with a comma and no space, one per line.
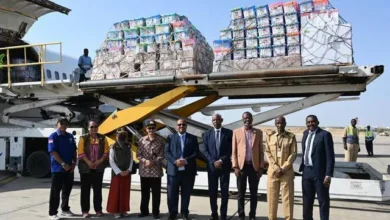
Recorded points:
307,150
182,151
218,142
182,146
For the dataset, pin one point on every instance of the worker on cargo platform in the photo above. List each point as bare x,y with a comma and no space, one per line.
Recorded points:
85,64
93,159
63,152
351,142
281,150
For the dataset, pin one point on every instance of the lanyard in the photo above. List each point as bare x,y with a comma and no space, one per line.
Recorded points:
279,142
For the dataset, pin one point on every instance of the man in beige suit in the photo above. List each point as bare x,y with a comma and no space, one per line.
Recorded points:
248,163
281,150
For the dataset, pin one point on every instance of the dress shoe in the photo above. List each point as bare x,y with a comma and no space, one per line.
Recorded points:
185,217
171,217
156,216
141,215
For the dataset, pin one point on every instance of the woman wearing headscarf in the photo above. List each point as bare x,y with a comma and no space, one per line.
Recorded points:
121,162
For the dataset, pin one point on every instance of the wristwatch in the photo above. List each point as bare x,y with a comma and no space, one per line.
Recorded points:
63,164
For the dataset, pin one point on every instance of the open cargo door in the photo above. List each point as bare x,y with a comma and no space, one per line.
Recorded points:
17,16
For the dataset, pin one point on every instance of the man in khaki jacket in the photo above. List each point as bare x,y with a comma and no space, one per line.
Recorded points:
248,163
281,150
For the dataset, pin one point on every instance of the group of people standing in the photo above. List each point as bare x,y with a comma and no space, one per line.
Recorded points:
94,154
245,148
240,150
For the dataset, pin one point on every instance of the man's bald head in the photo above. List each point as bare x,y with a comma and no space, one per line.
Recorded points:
280,118
280,123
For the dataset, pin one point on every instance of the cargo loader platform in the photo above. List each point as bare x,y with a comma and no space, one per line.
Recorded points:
139,98
262,83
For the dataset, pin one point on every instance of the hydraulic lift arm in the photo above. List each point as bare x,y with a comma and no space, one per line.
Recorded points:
144,110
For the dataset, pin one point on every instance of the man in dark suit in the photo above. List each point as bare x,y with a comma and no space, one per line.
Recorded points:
181,151
218,151
317,165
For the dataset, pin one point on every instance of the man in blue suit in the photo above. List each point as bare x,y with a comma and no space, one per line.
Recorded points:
181,151
317,165
218,151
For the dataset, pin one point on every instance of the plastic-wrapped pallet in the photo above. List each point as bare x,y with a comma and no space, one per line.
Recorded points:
330,45
152,46
326,39
257,63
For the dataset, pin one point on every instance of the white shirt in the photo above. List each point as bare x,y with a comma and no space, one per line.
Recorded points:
311,146
115,167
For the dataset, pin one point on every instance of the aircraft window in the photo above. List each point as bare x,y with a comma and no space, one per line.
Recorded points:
64,76
57,75
48,74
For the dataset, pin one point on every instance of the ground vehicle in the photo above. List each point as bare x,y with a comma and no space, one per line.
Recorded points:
57,94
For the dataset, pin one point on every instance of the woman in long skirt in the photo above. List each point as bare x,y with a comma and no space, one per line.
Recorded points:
121,162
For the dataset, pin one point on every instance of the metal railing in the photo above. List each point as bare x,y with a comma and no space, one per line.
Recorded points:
42,49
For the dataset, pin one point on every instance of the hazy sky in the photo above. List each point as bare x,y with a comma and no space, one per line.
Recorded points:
89,21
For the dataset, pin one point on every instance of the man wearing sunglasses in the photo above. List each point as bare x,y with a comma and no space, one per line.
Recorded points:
62,149
93,152
150,154
181,151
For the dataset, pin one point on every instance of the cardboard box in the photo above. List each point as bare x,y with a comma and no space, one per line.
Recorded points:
169,64
250,33
320,19
149,66
168,56
264,31
188,63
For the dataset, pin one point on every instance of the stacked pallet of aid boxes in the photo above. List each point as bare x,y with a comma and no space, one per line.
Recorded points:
283,34
260,37
285,28
326,37
157,45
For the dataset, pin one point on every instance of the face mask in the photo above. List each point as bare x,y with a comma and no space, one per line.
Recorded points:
122,138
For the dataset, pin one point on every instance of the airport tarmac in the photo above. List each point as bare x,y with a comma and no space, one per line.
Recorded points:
27,198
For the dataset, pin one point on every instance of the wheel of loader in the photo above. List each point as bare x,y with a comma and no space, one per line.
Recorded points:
38,164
